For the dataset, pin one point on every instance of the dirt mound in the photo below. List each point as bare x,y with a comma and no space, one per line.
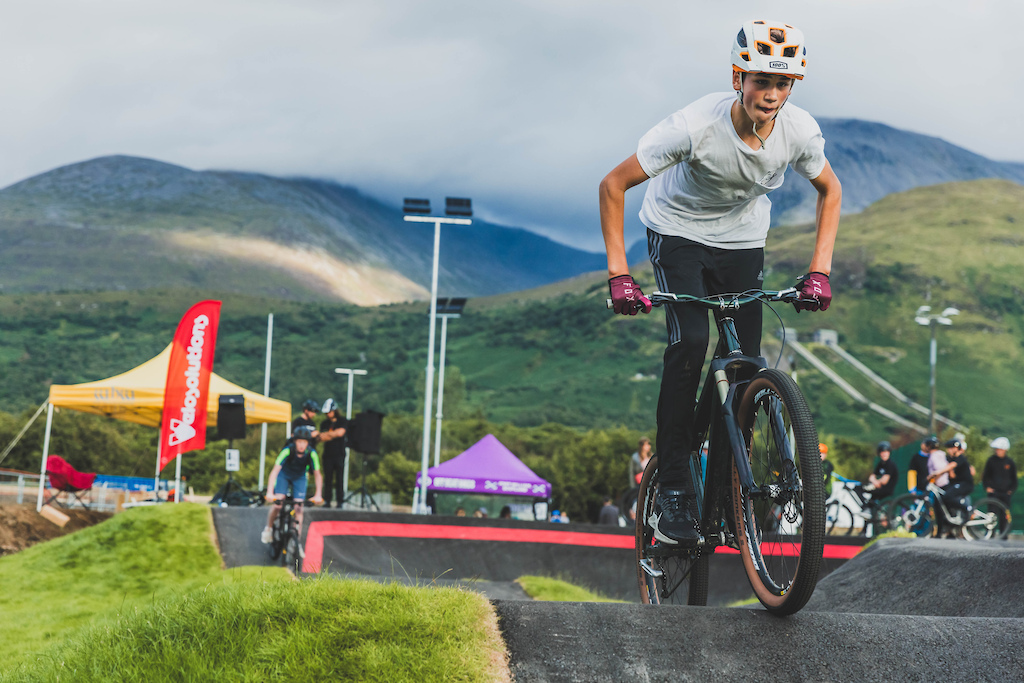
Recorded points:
21,526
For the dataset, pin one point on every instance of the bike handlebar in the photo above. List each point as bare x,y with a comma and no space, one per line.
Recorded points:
723,302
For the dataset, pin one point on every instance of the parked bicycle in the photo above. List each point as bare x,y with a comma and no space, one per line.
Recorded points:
987,518
763,466
869,517
286,544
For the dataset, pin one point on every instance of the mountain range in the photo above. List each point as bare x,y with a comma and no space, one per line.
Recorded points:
128,223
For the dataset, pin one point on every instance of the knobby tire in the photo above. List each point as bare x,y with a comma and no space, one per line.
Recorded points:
684,573
985,508
782,563
839,519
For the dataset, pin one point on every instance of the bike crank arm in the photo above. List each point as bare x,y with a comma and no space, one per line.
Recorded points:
649,570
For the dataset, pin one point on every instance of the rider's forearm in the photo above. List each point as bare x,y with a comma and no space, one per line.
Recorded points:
612,205
830,199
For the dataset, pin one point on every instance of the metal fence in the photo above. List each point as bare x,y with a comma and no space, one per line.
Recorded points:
18,487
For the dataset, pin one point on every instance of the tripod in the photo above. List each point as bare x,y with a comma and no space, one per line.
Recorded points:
232,493
365,499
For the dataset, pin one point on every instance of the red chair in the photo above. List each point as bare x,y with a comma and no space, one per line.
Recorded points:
66,479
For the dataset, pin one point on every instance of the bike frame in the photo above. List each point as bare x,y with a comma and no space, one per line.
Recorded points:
728,375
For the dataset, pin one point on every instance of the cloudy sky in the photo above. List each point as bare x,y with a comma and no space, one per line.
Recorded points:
522,105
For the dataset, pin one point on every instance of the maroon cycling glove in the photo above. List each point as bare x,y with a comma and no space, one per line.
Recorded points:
627,298
815,292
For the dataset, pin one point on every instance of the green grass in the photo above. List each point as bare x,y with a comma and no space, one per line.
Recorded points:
135,558
317,630
556,590
143,597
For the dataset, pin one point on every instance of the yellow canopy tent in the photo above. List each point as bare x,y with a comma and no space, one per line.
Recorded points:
138,396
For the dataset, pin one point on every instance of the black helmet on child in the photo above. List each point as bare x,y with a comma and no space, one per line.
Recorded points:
303,432
931,442
955,443
884,446
311,405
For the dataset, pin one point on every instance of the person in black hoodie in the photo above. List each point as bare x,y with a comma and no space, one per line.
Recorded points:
1000,474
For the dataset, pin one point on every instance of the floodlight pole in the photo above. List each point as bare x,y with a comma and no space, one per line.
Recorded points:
419,493
440,389
923,317
348,417
266,392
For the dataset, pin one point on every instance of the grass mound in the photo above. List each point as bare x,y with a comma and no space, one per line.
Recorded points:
137,556
319,629
556,590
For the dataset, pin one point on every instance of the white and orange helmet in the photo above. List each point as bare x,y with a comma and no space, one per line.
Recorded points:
772,47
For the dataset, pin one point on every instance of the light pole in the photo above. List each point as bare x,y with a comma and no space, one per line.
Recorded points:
446,308
931,320
417,211
348,421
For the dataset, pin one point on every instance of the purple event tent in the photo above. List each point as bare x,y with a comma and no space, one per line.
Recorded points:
487,467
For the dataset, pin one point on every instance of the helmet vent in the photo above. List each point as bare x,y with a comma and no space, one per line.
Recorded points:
741,38
789,51
764,48
745,56
777,35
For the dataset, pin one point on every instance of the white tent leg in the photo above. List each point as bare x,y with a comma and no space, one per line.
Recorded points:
46,453
156,477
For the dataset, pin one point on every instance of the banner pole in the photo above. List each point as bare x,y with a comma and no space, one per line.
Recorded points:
156,477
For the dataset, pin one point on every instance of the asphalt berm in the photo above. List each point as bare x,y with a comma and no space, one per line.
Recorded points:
903,609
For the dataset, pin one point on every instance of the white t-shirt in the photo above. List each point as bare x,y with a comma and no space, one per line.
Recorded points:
708,185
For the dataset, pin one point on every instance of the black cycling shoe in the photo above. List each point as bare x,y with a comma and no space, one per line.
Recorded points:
674,518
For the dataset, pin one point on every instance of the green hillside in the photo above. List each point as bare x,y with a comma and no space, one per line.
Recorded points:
557,355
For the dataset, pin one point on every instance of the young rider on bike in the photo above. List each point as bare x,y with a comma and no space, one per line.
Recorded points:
711,166
290,469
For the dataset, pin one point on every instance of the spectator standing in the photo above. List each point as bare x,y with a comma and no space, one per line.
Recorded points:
334,437
638,461
938,465
1000,474
918,483
506,512
827,468
309,411
609,513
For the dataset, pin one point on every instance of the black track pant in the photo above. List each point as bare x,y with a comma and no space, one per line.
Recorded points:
682,266
334,471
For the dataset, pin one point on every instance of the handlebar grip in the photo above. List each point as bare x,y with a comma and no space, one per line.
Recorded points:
608,303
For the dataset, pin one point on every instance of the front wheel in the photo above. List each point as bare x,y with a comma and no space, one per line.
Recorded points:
989,519
839,519
291,554
665,574
782,447
913,513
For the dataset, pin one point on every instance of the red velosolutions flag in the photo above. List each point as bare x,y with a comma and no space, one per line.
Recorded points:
183,427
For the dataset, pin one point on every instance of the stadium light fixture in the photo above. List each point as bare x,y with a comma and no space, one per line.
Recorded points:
459,211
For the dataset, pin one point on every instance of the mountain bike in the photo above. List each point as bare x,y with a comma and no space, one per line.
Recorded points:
842,520
762,492
286,544
987,518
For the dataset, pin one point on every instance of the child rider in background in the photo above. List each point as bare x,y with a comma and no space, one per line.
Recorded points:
711,165
289,471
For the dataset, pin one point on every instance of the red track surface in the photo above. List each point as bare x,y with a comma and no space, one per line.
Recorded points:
318,530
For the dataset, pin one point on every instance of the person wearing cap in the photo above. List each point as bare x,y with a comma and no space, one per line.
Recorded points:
1000,474
709,168
333,432
961,479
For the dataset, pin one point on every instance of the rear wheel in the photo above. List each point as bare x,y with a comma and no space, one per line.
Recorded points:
782,446
665,574
912,513
989,519
839,519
